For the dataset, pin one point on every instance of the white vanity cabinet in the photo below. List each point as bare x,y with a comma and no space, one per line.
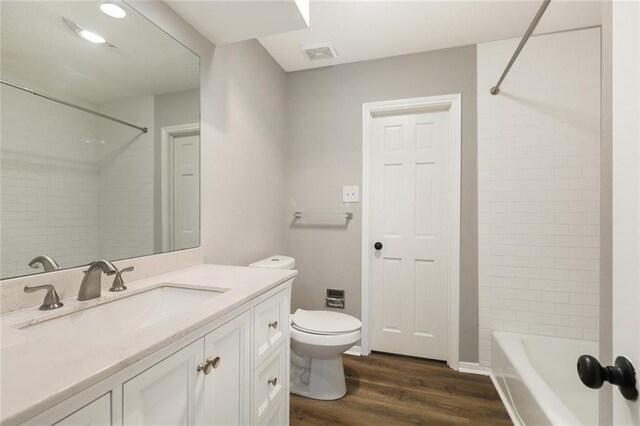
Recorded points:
167,392
227,388
96,413
183,390
245,383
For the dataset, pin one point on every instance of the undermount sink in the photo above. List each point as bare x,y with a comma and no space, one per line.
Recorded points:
123,315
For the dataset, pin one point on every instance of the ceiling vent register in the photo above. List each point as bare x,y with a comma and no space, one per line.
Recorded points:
319,51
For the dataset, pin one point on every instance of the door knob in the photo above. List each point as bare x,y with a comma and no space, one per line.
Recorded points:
621,374
377,245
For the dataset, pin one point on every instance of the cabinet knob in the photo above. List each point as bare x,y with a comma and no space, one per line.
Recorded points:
273,381
215,362
377,245
273,324
205,367
209,365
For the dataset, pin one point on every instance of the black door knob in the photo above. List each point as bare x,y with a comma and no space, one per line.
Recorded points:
377,245
621,374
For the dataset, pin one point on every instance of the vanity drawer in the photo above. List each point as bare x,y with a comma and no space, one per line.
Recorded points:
269,383
271,325
277,415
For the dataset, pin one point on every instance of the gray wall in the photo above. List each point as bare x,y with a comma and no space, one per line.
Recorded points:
325,153
243,156
243,144
257,169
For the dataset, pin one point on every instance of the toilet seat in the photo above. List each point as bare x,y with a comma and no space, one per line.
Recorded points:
348,339
325,323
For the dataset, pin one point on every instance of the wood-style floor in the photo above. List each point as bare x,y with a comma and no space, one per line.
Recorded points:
387,389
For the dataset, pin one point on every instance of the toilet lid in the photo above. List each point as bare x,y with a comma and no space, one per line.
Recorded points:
324,322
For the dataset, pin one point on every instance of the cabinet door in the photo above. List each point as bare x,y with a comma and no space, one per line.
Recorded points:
96,413
227,386
169,393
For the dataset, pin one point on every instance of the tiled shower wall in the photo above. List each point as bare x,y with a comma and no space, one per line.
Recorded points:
72,186
125,180
539,187
48,187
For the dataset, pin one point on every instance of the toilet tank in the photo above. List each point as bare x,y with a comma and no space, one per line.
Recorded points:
277,261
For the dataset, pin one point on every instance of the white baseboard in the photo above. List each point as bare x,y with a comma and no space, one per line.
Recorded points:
473,368
354,350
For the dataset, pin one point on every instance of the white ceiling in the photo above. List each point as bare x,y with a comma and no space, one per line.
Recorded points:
39,51
363,30
228,21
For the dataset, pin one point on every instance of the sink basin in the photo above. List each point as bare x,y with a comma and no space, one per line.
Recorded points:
100,323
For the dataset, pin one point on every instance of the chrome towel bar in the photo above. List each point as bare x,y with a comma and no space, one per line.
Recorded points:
345,215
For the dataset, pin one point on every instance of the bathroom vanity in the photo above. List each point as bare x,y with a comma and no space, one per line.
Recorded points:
204,345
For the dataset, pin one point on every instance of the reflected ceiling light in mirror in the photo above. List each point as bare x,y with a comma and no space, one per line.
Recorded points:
92,37
86,34
113,10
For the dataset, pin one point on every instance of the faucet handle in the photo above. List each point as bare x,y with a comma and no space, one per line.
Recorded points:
51,300
118,282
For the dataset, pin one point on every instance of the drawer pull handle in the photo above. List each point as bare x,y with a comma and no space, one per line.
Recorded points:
273,381
273,324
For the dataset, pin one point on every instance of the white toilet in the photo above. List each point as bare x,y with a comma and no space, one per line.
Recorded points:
318,339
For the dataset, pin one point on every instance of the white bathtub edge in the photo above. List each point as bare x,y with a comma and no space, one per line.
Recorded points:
505,401
481,370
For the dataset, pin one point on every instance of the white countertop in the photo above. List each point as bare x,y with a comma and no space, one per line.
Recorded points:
40,372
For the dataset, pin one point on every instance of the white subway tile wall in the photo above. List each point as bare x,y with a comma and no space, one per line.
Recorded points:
126,161
48,183
73,186
539,187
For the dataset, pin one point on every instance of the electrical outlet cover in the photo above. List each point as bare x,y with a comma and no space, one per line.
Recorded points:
350,194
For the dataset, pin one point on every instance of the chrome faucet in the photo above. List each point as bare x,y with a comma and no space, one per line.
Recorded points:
47,263
91,286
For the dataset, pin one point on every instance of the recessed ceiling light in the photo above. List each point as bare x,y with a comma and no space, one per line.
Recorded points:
86,34
113,10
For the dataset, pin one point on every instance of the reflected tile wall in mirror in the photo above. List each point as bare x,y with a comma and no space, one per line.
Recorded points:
77,187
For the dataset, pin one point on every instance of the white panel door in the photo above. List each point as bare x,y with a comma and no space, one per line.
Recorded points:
169,393
227,386
626,197
409,217
186,191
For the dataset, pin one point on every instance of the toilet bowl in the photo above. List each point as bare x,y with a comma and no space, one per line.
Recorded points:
318,339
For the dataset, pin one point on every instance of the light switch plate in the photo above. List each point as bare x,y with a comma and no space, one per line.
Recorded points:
350,194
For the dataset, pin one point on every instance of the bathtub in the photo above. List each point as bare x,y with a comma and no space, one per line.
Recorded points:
537,379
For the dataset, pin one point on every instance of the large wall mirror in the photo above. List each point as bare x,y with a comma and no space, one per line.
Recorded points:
99,137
